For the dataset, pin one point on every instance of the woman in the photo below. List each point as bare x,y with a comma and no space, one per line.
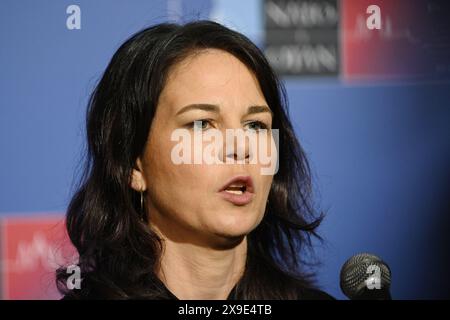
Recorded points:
147,227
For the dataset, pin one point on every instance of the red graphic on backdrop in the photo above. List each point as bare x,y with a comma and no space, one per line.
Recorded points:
396,50
32,248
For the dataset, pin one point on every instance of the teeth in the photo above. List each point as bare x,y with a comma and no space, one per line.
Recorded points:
234,191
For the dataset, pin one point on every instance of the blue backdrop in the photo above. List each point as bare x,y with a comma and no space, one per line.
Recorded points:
380,151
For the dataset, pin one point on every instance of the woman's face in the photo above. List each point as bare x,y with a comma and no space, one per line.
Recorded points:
186,201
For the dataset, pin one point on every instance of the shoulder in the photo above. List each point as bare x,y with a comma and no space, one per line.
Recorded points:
296,287
313,294
302,288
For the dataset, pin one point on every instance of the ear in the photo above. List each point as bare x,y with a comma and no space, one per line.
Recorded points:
137,181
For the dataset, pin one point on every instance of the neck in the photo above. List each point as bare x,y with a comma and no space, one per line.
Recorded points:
191,271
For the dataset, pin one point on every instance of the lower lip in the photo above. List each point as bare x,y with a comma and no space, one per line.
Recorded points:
237,199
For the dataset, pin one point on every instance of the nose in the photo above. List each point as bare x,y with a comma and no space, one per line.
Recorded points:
236,147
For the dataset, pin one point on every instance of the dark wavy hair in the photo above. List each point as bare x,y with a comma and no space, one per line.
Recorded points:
118,252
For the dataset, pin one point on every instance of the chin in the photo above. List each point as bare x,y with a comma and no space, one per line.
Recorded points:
235,226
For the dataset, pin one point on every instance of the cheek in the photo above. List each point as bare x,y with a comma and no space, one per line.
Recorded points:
266,183
182,180
175,186
261,177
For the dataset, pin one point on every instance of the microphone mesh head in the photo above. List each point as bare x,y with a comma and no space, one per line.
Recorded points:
357,270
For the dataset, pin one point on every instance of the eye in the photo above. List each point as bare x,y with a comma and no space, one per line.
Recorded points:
201,124
256,125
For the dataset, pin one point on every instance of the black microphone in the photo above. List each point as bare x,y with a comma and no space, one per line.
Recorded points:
366,277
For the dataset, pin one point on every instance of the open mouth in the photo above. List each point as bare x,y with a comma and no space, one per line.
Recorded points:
238,190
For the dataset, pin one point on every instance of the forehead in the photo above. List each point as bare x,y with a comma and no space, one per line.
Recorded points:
211,76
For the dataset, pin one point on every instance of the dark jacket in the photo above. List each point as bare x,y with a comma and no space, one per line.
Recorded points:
305,293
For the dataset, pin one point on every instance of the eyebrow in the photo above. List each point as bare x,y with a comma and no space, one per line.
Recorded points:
215,108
